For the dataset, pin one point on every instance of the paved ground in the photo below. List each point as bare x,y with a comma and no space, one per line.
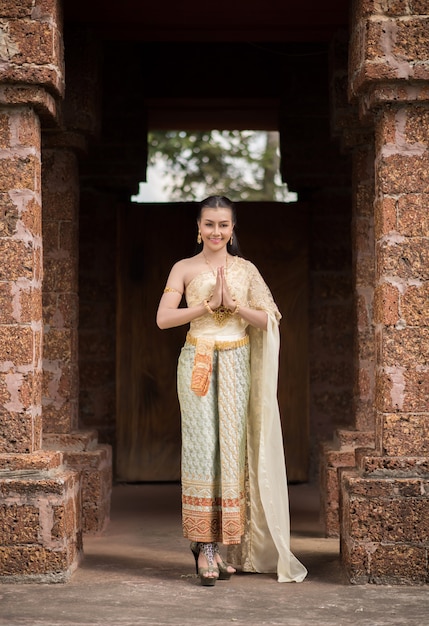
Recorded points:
140,573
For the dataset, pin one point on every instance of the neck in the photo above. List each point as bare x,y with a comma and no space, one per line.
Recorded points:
211,255
216,260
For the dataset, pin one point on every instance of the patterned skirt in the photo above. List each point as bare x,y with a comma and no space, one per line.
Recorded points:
214,444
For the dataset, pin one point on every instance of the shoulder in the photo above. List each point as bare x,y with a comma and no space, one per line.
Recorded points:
183,265
185,269
247,265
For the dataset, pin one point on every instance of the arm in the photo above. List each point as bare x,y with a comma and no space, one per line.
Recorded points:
255,317
169,315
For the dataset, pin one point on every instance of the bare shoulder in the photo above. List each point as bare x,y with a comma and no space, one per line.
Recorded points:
184,265
183,268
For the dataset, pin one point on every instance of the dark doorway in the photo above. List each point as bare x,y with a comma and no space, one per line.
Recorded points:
151,238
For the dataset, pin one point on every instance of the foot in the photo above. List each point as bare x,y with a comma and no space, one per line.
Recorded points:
207,566
224,567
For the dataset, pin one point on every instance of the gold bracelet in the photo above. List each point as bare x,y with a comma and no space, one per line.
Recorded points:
236,310
206,304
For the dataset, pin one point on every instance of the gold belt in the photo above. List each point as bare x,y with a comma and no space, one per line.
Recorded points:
221,345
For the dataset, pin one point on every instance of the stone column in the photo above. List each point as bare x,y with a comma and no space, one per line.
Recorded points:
21,282
60,290
385,499
340,452
62,152
40,531
81,450
40,516
385,503
358,143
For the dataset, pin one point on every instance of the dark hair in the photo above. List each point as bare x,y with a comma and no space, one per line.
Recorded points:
220,202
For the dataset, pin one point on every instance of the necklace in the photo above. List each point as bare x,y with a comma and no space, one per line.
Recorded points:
211,266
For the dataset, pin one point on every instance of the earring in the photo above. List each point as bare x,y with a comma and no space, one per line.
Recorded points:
231,240
199,237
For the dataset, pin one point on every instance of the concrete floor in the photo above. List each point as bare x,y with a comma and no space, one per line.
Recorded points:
141,573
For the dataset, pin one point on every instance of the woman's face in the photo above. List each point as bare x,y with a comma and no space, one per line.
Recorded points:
216,227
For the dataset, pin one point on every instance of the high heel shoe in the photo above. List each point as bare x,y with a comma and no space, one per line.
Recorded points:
224,574
208,549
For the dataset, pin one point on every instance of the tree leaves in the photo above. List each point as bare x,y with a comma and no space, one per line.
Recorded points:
242,165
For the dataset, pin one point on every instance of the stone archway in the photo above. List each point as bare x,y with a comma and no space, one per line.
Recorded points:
98,124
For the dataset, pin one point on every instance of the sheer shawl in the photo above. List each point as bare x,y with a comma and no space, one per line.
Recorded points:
265,546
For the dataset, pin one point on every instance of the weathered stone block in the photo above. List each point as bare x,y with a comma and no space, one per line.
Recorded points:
59,416
363,312
415,305
4,131
365,272
363,237
34,41
417,125
44,541
364,383
393,466
28,132
365,413
93,462
398,565
17,260
50,238
58,345
398,174
30,305
33,563
11,8
406,260
18,524
375,31
392,7
68,309
406,434
16,345
19,173
386,304
6,310
384,532
413,215
48,8
60,275
385,219
411,41
355,560
10,216
40,460
408,347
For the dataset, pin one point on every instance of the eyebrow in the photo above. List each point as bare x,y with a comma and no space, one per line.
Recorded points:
208,221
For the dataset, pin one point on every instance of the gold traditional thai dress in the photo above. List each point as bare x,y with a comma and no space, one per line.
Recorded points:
234,487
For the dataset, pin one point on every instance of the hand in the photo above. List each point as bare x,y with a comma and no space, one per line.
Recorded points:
216,299
227,299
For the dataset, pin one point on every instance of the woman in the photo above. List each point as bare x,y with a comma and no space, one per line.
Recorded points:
234,488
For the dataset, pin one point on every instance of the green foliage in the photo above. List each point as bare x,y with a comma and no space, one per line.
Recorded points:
242,165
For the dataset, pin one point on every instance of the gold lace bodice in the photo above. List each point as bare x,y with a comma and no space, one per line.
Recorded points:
247,287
